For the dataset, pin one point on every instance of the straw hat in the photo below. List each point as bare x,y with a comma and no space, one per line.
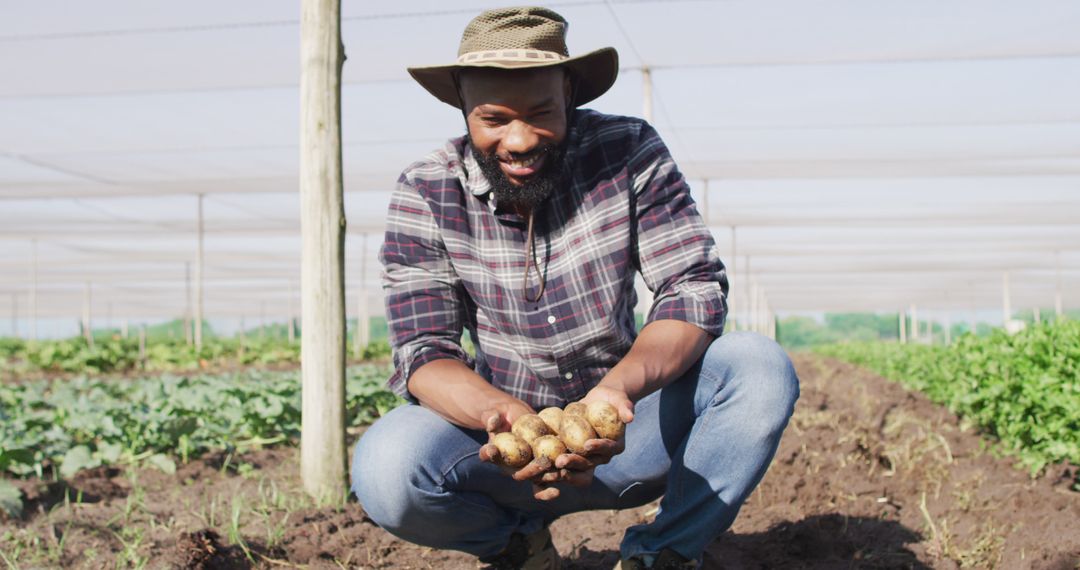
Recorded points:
518,38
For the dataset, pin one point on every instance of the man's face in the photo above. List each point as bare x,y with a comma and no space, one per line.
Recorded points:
517,124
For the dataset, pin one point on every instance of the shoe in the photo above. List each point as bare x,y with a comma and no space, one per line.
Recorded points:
668,559
532,552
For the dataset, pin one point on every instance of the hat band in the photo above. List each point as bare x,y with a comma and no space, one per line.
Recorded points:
509,56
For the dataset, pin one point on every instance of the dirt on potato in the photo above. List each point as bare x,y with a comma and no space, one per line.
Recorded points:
868,475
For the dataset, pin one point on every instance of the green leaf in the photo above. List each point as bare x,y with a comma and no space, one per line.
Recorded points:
162,462
75,459
10,499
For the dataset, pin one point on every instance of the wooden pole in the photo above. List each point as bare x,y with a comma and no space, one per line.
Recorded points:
199,276
292,314
734,259
1006,303
363,322
1059,307
914,323
87,330
142,345
187,304
705,201
646,95
748,321
33,289
322,285
124,327
14,315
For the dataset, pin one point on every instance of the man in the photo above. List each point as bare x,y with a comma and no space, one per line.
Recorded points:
527,232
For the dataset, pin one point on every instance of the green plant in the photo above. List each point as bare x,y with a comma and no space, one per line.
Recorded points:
1023,389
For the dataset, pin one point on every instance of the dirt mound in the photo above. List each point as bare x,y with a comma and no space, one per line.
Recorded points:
202,550
868,475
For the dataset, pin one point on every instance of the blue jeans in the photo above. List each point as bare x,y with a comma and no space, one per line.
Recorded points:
703,443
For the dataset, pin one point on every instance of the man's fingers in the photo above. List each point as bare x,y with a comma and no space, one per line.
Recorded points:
626,412
493,423
579,478
532,470
573,462
545,493
489,453
606,447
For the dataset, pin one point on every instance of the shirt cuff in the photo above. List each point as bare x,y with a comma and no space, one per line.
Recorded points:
399,381
699,303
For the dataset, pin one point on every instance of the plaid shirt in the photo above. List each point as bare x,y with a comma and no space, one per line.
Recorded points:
454,261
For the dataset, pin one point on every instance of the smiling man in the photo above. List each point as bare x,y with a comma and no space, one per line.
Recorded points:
527,232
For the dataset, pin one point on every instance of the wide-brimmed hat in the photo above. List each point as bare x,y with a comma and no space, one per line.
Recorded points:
519,38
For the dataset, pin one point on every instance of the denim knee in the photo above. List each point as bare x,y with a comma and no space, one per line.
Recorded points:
388,472
760,372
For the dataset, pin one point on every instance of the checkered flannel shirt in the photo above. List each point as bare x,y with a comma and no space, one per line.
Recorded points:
454,261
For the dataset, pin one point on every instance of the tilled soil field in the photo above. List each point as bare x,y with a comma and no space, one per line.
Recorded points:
868,475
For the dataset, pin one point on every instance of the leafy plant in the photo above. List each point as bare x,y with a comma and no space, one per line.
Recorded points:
1023,389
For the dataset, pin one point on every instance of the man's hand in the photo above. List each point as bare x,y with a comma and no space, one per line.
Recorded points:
500,419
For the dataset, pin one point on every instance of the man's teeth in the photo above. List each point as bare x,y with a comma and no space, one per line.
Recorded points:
523,163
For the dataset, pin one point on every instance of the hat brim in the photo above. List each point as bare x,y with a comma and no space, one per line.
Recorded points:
594,73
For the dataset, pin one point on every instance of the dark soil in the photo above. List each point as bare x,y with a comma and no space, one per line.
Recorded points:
868,475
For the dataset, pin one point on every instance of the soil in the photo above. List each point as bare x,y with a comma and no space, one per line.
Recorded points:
868,475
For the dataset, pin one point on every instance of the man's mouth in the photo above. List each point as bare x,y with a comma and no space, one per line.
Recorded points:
523,168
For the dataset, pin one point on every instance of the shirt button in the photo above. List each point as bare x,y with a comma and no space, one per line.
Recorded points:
569,375
551,319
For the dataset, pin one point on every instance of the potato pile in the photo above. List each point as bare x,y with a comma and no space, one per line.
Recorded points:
553,432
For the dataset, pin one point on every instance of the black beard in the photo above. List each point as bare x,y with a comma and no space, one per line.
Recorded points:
535,190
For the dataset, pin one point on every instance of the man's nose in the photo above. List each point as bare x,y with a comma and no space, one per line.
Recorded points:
520,138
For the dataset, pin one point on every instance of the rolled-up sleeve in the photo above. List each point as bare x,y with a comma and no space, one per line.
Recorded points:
424,305
677,255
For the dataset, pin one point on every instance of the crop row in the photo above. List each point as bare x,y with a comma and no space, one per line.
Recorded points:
54,428
1024,389
119,354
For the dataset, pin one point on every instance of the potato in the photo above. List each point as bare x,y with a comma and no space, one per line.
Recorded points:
575,431
575,409
529,427
552,417
513,451
604,418
549,447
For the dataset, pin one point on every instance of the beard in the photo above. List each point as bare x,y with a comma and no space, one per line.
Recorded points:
535,189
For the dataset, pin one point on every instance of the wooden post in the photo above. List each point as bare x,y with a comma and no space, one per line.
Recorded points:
1035,314
705,201
292,314
199,276
646,95
731,279
322,285
88,331
748,321
363,316
1006,303
33,289
948,328
142,345
14,315
187,304
1059,308
914,323
124,327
